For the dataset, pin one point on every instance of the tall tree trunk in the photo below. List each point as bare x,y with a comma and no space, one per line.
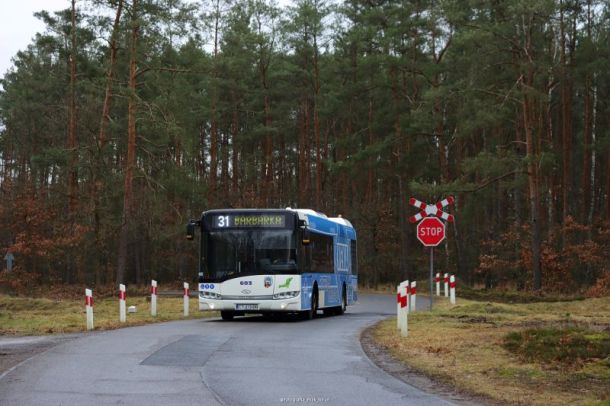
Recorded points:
442,146
213,155
201,159
566,113
224,167
404,270
304,178
72,139
316,129
98,179
370,173
608,178
301,157
268,151
213,115
130,163
283,171
533,180
316,121
235,151
593,182
589,154
103,136
586,174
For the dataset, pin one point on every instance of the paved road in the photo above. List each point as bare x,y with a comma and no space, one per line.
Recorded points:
249,361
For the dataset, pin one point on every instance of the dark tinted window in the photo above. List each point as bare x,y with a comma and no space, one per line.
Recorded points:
235,253
321,253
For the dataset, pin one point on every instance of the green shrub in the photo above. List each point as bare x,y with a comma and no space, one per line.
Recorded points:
564,346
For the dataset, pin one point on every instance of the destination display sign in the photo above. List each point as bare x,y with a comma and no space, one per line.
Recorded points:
249,220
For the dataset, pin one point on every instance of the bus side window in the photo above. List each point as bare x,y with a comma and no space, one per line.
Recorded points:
304,260
322,253
304,256
354,253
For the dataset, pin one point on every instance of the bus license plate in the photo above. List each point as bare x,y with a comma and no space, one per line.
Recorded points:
243,306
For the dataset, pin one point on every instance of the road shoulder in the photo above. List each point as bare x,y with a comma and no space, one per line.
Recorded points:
385,361
17,350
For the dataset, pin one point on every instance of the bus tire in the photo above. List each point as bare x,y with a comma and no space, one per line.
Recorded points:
341,309
227,315
338,310
313,309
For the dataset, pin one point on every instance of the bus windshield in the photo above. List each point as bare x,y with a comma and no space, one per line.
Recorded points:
234,253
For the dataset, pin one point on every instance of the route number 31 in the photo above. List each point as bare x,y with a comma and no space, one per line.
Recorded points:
223,221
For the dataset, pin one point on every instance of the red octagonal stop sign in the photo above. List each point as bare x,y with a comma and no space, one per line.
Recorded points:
431,231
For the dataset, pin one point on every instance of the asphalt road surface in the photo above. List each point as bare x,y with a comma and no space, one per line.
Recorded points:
248,361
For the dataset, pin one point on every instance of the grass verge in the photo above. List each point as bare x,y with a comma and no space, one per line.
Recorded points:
534,353
27,316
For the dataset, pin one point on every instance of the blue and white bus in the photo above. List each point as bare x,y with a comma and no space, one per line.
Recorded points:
272,260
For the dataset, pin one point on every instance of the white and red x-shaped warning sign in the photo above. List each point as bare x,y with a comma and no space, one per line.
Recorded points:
431,209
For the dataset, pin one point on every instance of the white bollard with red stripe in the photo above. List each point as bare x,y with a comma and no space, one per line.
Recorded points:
452,289
122,306
153,298
399,299
408,290
446,280
438,284
404,306
89,308
186,299
413,296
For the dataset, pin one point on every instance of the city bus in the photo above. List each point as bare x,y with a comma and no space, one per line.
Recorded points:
269,261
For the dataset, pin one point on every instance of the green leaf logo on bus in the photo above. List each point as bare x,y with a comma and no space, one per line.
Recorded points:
286,283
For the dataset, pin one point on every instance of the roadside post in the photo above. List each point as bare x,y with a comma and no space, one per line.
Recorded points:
438,284
452,288
404,305
122,306
413,295
186,299
398,301
408,290
400,297
446,280
153,298
89,308
430,229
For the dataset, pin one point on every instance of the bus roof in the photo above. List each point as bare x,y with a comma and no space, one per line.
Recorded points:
320,222
316,221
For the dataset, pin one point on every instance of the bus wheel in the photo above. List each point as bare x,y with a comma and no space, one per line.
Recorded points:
313,310
341,309
226,315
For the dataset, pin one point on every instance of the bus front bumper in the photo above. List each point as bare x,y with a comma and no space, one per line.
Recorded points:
251,306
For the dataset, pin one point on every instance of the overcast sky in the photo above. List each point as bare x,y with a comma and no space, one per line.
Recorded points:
18,25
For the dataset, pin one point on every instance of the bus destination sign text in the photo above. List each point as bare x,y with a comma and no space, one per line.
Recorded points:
249,220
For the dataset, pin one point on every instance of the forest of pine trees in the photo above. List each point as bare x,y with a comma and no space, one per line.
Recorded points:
125,119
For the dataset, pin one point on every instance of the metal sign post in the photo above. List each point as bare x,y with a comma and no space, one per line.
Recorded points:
431,273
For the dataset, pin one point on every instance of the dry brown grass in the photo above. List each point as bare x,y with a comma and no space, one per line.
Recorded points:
463,345
28,316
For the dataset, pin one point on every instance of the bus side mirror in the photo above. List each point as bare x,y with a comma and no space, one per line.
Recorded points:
306,238
190,230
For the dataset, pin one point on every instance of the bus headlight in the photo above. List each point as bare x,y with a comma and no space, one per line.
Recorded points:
286,295
210,295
